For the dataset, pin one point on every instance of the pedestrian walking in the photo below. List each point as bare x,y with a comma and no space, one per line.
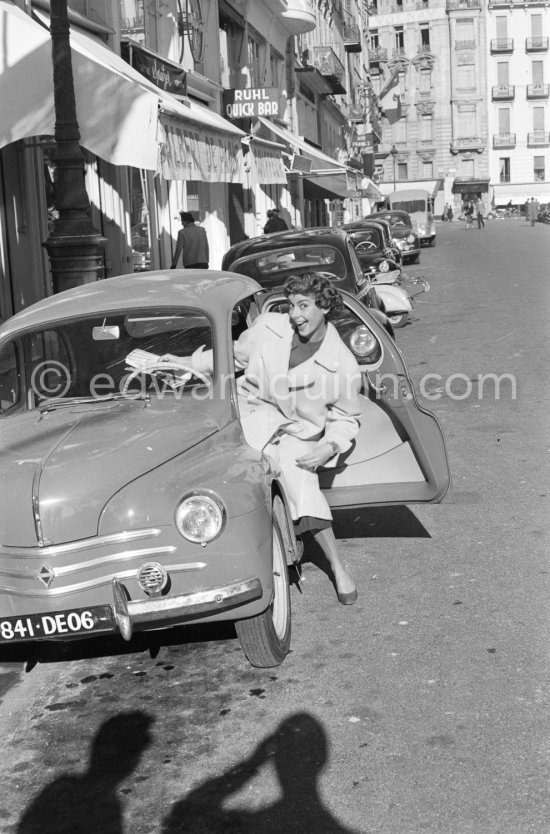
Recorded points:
533,210
450,212
479,215
468,215
192,244
274,222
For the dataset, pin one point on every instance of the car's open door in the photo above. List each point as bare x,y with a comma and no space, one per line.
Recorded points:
399,455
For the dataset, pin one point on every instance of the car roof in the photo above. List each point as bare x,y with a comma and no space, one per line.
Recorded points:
279,240
391,212
212,291
357,225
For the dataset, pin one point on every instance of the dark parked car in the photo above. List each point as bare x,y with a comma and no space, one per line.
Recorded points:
402,232
131,499
372,247
270,260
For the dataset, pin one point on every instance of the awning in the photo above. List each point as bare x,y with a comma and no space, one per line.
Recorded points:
519,193
470,186
337,180
122,117
370,189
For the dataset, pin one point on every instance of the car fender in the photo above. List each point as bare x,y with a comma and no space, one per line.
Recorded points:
394,299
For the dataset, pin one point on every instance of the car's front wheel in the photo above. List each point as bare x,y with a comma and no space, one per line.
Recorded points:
398,320
265,639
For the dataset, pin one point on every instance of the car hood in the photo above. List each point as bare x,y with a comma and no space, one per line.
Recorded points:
58,470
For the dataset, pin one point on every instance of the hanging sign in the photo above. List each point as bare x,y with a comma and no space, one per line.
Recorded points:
255,101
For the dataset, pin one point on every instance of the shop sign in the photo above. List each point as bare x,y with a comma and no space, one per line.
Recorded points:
160,73
255,101
191,153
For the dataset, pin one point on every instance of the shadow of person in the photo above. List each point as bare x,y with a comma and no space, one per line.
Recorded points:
87,803
298,752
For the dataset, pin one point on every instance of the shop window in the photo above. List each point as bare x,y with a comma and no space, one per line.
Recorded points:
504,169
538,169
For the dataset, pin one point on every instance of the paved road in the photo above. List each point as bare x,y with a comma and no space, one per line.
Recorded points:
423,709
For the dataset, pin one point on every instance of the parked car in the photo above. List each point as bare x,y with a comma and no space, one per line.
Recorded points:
271,259
402,232
132,500
372,247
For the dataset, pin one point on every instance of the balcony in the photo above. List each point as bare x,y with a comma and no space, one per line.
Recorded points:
504,140
465,45
537,90
502,45
378,54
536,44
299,17
467,143
351,33
327,64
398,52
452,5
503,92
537,138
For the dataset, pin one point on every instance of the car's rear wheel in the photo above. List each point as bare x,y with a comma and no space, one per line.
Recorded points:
398,320
265,639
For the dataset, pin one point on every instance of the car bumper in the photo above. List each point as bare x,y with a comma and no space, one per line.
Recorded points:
133,614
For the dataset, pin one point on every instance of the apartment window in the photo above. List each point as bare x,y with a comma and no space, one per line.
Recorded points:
402,83
538,168
277,66
400,131
538,118
255,54
426,124
504,120
465,77
467,168
503,73
376,81
402,171
504,169
537,69
465,31
536,26
373,39
502,27
399,38
131,19
425,81
466,120
424,34
427,170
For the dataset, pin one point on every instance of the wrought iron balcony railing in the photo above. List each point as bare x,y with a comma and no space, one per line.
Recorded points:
536,44
503,92
351,32
504,140
538,137
463,4
327,63
502,45
378,53
537,90
465,44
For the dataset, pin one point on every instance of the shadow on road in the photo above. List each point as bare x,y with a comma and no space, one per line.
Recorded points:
298,752
88,803
378,522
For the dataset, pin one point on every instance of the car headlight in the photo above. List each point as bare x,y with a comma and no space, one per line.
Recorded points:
200,517
383,266
410,238
364,344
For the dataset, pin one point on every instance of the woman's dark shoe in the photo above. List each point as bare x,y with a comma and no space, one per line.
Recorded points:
349,598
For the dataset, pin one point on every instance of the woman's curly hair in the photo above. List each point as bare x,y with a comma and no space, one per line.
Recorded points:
318,286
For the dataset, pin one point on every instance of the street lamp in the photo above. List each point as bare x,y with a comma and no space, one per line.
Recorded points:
75,247
393,152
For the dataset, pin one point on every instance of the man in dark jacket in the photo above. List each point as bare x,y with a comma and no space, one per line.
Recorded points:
274,222
192,242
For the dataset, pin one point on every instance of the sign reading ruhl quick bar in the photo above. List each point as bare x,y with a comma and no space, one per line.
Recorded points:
242,104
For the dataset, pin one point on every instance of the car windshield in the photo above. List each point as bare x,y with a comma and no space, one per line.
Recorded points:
370,237
271,269
398,220
102,356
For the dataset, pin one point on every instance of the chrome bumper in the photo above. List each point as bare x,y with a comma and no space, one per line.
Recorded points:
129,613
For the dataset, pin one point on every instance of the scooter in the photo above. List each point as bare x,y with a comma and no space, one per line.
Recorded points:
396,292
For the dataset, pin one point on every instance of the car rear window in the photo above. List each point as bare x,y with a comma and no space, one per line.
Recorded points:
272,268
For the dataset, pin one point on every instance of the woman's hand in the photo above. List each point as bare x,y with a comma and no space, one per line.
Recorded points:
317,457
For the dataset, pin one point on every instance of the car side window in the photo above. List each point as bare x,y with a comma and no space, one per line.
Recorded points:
10,378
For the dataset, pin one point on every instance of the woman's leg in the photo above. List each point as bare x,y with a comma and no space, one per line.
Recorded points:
327,542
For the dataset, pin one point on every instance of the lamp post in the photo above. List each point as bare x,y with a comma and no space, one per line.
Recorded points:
75,247
393,152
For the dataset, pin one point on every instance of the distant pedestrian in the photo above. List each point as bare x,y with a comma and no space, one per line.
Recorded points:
469,215
479,215
449,212
274,222
533,210
192,243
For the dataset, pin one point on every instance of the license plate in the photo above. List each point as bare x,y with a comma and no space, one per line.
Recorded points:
57,624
